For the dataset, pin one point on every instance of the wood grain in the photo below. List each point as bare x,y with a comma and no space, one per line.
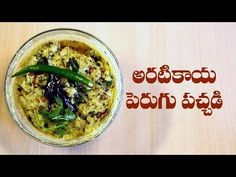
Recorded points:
138,46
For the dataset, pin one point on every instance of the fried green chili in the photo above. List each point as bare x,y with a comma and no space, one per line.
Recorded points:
71,75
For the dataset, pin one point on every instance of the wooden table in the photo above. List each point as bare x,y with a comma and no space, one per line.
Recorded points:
138,46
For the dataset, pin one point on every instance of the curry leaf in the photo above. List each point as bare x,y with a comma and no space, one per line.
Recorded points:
73,64
108,83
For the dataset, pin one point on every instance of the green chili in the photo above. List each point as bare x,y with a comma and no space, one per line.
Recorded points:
71,75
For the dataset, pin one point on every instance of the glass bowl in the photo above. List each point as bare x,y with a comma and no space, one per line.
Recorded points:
17,112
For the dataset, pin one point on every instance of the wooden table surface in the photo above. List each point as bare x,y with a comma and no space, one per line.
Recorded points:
138,46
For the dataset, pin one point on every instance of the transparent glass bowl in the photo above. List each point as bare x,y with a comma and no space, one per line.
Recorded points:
64,34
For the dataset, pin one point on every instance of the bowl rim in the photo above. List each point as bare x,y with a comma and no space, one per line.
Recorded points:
120,95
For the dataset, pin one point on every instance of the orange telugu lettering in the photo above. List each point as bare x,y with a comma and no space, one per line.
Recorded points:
177,76
148,101
165,75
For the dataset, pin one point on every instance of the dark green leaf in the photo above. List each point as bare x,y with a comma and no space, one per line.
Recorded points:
108,83
42,61
45,114
73,64
79,98
60,131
